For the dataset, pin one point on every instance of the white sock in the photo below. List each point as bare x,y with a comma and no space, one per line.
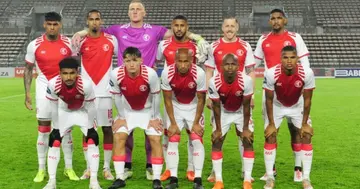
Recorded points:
241,150
248,161
198,156
173,158
85,148
107,155
269,157
53,160
307,155
296,147
190,149
119,166
42,146
157,164
67,147
217,165
93,158
165,146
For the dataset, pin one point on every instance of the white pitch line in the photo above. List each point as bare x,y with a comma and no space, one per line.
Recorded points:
12,96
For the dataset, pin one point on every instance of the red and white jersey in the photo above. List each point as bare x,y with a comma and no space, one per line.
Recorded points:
136,91
230,95
288,89
184,87
220,48
167,50
269,46
71,99
96,61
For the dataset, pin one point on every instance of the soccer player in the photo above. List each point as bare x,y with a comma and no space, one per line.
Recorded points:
268,49
230,43
45,53
72,103
184,90
167,51
136,90
230,91
288,89
145,37
96,50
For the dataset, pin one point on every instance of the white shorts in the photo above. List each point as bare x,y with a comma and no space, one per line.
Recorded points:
104,115
43,109
139,119
227,118
67,119
184,119
293,114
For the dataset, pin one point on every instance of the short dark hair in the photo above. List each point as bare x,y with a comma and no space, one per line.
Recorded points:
230,17
289,48
93,11
180,17
279,11
69,62
52,16
229,56
132,51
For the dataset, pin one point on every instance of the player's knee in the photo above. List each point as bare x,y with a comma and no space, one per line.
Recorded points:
120,138
306,139
44,122
107,130
92,137
271,139
194,136
175,138
55,138
44,128
247,145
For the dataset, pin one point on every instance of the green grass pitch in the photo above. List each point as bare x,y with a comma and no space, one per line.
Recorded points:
336,164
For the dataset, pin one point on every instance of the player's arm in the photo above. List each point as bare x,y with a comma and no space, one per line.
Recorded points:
307,95
201,90
269,83
215,98
209,72
309,86
269,98
155,92
302,51
115,91
202,46
28,73
259,53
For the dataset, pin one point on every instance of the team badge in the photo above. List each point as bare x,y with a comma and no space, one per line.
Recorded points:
143,88
192,52
171,52
146,37
238,93
220,52
105,47
191,85
287,43
240,52
298,84
77,96
63,51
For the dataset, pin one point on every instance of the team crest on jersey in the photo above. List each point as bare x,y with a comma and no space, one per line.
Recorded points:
146,37
239,52
143,88
63,51
287,43
106,47
171,52
191,85
298,84
77,96
192,52
238,93
220,52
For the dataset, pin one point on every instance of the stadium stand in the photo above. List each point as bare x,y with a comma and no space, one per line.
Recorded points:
11,44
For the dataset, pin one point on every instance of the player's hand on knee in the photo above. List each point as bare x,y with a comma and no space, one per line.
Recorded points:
270,130
28,102
209,103
216,136
156,124
197,129
306,129
247,135
118,124
173,130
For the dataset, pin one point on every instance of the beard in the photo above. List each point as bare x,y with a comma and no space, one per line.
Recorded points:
51,37
94,30
179,38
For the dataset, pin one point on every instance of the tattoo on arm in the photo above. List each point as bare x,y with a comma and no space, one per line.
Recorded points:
28,77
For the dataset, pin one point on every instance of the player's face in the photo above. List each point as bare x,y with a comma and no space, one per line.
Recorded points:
52,28
230,67
94,21
68,76
183,63
289,60
132,64
179,28
277,21
136,12
230,28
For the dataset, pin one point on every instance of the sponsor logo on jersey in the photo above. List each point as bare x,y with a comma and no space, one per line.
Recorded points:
239,52
298,84
287,43
146,37
238,93
191,85
106,47
63,51
143,88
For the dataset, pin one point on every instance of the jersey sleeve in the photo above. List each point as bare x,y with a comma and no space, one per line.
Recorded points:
154,81
301,48
112,30
50,91
249,60
160,51
89,92
212,91
116,45
210,62
269,80
200,80
259,53
30,53
113,83
248,86
160,31
165,83
309,79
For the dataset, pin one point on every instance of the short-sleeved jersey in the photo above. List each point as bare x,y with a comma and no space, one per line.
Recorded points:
46,55
269,47
167,50
96,61
288,89
184,87
145,39
136,91
71,99
230,95
240,48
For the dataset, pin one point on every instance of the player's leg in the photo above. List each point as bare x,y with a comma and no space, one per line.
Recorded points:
129,148
217,159
67,147
53,157
42,147
93,156
148,167
165,142
190,149
86,173
157,158
296,147
198,156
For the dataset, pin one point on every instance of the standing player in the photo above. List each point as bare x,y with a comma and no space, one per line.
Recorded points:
167,51
136,90
288,90
230,43
268,49
72,103
230,91
184,89
96,51
145,37
45,52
